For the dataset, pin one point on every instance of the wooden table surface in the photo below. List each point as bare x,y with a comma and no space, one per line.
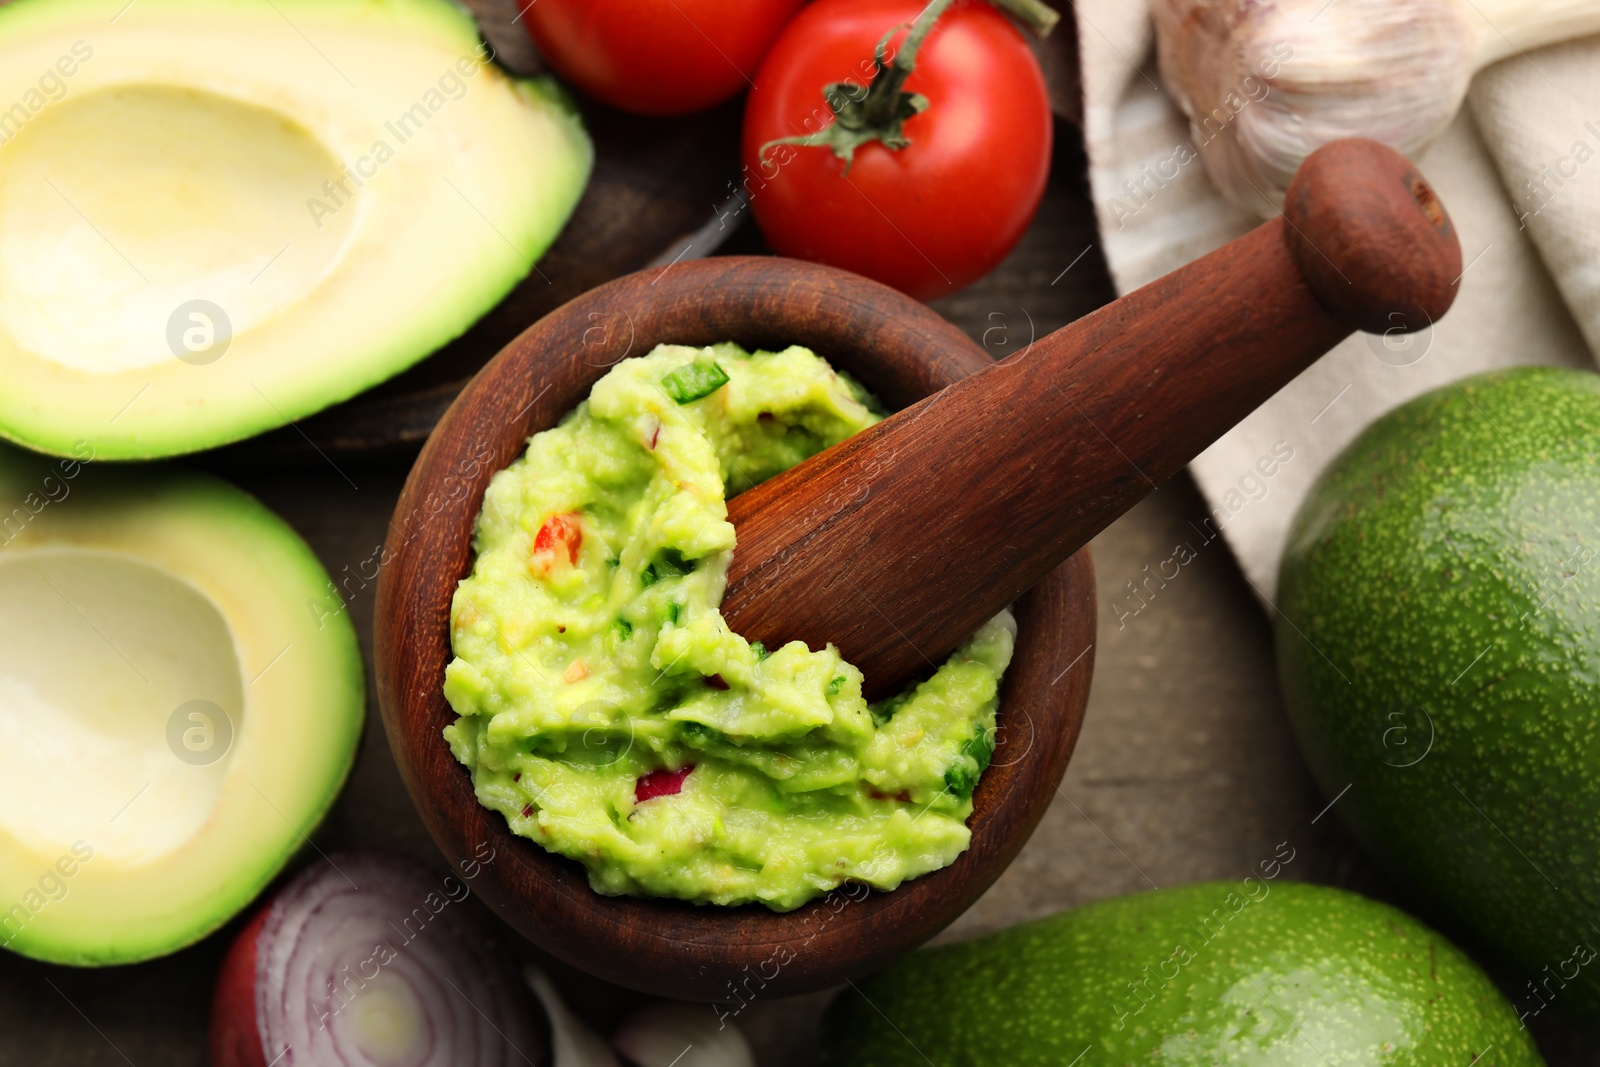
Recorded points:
1185,771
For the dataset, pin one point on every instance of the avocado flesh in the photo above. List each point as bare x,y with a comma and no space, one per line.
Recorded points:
1443,573
134,600
1255,972
350,182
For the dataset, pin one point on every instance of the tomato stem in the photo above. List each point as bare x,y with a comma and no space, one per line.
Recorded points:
878,112
1038,17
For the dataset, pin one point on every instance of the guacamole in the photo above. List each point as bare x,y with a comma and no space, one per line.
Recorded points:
607,711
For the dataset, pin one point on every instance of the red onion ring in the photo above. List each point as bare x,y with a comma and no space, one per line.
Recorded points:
371,960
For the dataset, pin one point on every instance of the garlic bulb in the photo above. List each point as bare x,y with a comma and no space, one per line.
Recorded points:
572,1044
682,1035
1265,83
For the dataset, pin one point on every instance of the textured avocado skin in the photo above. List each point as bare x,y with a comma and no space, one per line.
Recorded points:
1439,647
1269,973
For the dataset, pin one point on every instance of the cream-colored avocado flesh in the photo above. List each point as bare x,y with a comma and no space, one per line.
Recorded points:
180,698
218,217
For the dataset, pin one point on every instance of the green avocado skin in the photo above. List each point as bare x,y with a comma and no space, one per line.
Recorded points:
1255,972
1439,648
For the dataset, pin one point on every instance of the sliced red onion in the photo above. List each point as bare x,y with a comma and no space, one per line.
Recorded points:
370,959
660,783
682,1035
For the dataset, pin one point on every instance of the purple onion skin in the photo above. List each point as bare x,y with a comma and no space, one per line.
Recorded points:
371,959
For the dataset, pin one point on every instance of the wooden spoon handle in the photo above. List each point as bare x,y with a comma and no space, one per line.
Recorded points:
898,543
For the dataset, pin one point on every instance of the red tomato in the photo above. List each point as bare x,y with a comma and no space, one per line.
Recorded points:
935,215
657,57
561,535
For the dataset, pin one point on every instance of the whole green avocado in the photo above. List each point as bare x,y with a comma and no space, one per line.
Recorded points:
1281,974
1439,646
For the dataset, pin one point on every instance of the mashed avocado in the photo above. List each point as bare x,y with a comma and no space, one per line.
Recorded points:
609,713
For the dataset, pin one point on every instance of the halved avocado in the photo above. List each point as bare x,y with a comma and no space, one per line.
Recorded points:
218,216
180,701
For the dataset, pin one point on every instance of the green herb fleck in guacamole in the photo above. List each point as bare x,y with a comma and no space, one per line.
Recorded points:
609,713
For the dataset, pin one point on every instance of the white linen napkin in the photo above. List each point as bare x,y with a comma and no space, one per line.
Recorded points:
1157,210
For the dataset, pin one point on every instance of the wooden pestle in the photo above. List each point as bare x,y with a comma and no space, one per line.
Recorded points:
900,542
